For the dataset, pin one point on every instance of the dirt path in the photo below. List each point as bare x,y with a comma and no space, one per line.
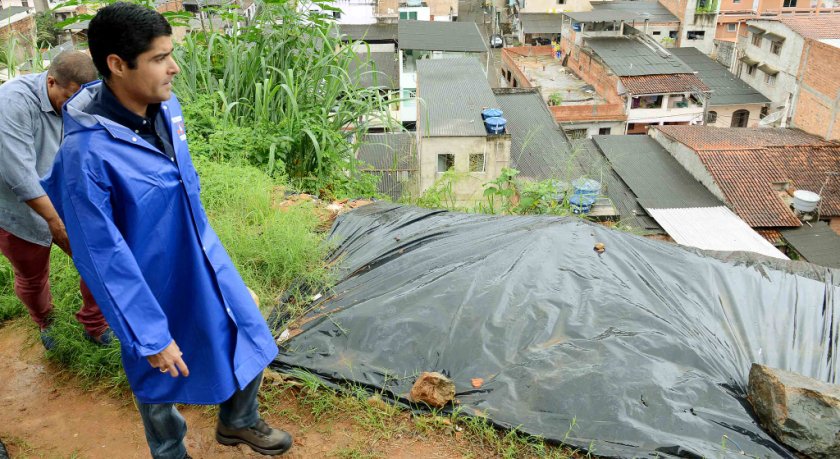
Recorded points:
45,414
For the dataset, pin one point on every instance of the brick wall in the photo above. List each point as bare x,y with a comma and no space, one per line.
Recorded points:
677,7
24,27
592,71
577,113
817,108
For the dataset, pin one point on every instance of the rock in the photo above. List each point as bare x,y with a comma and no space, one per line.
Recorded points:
801,412
599,247
433,389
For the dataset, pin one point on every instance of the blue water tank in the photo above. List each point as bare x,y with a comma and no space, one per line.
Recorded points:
491,113
581,204
495,125
587,187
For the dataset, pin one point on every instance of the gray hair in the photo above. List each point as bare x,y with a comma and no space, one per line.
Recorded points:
72,67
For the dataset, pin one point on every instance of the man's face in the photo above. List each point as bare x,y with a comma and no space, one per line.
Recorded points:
150,82
58,93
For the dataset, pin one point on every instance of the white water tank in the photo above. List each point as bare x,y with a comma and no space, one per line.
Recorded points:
805,201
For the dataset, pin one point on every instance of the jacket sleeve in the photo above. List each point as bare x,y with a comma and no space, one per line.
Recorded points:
107,264
18,157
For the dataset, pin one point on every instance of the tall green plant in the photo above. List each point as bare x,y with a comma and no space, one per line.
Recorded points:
287,79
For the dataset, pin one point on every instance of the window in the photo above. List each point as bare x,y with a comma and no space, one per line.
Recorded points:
24,3
756,39
477,162
770,79
696,34
604,131
576,134
731,27
410,15
656,32
446,161
740,118
776,47
336,14
751,69
561,2
672,34
789,4
711,118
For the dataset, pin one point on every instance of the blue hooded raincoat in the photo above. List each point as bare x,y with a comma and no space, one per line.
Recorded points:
142,243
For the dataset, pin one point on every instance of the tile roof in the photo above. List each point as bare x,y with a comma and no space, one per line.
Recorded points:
451,94
655,177
715,138
818,243
745,163
642,10
663,84
630,56
602,15
541,22
816,27
441,36
727,89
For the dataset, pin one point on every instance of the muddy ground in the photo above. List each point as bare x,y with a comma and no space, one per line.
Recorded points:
45,413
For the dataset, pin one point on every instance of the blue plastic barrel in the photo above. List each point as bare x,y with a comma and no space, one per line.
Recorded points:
581,204
491,113
495,125
586,187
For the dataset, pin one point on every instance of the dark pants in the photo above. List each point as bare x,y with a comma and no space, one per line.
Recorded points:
31,264
166,428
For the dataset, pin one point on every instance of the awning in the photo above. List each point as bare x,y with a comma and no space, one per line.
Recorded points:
767,69
774,37
748,60
755,29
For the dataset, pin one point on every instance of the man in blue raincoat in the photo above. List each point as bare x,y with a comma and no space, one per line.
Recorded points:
125,186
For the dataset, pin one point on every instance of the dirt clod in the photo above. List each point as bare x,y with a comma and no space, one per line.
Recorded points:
433,389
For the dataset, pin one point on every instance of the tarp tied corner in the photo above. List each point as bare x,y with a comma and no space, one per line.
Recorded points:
647,345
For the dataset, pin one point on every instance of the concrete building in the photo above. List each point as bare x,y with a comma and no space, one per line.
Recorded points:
450,131
423,40
734,14
755,171
579,108
611,18
17,20
733,102
388,11
790,61
655,87
698,22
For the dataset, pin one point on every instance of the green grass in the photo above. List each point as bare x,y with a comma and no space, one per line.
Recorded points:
270,248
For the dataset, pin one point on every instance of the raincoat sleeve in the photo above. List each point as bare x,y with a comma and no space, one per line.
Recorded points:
107,264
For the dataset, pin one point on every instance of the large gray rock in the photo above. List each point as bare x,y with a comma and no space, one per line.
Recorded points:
801,412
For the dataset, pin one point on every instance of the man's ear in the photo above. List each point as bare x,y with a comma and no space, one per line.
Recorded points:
51,81
116,64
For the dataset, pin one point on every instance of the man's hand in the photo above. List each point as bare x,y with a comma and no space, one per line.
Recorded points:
44,207
59,235
169,361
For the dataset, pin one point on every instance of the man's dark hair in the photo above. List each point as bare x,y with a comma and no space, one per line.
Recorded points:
124,29
72,67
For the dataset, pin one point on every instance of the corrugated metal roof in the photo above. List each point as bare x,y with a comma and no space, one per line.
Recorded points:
713,228
6,13
387,152
602,15
368,32
593,161
631,57
727,89
541,22
652,11
655,177
451,94
441,36
539,149
375,70
817,242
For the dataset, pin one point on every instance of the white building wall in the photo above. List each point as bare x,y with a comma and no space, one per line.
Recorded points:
781,92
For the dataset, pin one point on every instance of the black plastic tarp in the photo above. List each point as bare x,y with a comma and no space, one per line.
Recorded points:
645,348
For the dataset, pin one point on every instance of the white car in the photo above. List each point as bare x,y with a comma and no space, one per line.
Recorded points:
496,41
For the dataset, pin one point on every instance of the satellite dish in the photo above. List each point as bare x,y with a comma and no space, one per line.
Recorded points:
770,119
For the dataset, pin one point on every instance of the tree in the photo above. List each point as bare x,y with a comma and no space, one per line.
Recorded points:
46,30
